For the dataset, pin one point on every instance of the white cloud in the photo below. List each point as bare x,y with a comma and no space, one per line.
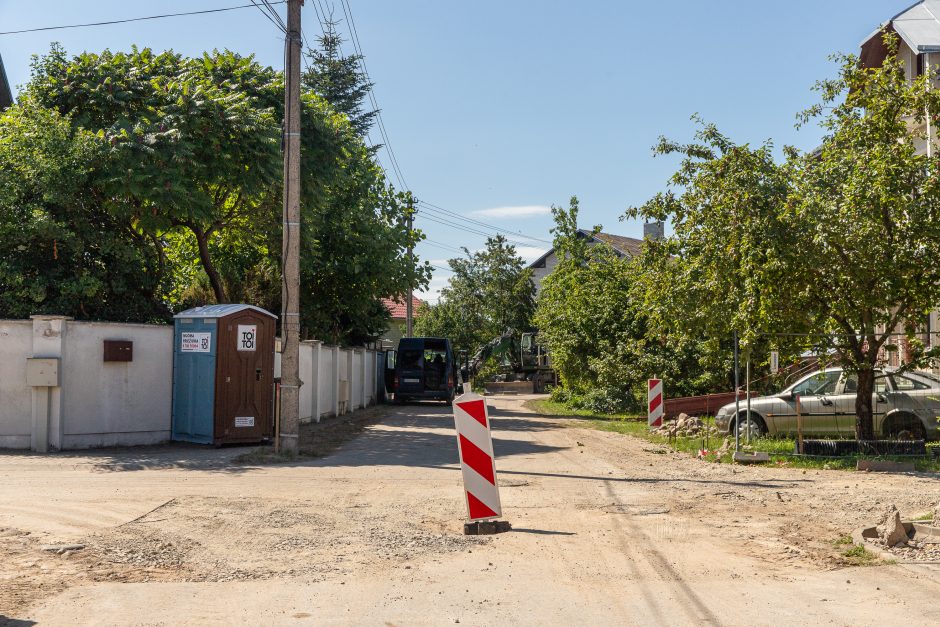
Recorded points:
522,211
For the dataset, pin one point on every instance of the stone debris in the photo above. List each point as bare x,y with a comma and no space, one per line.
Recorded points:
62,548
891,531
685,426
895,533
936,515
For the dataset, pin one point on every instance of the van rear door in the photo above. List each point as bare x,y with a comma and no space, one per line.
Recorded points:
410,368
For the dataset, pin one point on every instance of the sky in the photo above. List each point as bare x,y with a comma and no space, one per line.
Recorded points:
497,110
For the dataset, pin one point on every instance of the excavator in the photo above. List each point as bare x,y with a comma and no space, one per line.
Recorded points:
521,358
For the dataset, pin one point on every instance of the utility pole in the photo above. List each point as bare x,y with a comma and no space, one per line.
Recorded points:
289,436
409,315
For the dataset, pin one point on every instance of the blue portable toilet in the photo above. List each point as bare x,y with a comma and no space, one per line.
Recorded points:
223,374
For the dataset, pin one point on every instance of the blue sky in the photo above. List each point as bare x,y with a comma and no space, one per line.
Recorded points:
495,106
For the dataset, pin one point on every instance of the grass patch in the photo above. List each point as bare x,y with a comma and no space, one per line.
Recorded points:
780,449
923,518
843,541
858,555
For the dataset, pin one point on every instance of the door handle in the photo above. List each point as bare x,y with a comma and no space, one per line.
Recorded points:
257,374
825,401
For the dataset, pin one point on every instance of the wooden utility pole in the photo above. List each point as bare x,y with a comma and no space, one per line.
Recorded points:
289,436
409,315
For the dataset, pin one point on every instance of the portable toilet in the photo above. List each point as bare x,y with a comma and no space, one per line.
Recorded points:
223,374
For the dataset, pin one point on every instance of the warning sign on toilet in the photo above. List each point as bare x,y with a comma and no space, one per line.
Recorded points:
195,342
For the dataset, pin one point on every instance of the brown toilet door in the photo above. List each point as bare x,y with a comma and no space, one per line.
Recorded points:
246,368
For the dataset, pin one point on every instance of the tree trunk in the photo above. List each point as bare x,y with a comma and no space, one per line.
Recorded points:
864,423
214,279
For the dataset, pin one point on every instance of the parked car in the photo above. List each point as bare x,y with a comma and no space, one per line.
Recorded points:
424,369
904,405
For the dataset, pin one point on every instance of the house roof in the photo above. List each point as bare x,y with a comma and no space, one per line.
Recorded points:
629,246
398,308
6,96
219,311
918,26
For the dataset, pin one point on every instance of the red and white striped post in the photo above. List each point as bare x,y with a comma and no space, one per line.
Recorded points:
655,403
477,462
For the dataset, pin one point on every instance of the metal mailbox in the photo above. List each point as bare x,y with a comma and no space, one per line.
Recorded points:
223,374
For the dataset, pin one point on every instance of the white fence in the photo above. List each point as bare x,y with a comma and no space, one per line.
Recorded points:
336,380
94,403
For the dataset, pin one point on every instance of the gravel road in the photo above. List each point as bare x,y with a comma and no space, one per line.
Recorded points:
607,529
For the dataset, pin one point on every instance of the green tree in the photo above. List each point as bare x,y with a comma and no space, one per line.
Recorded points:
338,79
838,243
191,164
60,251
597,329
490,293
193,142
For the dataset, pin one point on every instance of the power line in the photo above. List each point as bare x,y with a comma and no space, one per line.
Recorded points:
354,34
466,229
443,246
453,215
134,19
268,16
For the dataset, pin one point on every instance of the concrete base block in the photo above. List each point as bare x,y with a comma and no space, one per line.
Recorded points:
878,465
750,458
486,527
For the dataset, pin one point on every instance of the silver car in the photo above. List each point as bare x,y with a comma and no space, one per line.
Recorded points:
905,405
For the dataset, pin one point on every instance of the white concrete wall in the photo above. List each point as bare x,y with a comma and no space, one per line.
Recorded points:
117,403
96,403
16,344
322,368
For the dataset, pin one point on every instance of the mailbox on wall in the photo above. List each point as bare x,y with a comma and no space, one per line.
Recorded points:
223,374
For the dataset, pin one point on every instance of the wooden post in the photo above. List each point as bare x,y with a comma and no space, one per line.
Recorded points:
799,426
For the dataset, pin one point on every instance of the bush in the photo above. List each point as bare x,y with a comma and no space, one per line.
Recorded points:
608,400
560,395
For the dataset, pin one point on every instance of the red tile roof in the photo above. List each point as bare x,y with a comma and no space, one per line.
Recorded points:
397,309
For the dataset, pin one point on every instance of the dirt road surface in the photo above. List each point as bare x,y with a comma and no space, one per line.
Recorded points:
607,530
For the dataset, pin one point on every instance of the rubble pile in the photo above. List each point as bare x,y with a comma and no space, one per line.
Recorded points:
685,426
891,529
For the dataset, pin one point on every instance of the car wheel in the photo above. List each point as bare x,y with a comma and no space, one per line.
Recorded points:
755,425
906,427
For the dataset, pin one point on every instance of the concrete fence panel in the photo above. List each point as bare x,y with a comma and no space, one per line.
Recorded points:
16,399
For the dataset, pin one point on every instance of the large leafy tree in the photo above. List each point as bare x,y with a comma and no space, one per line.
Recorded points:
191,165
60,250
193,142
838,244
490,293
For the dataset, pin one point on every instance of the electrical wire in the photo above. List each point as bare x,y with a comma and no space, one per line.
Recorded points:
347,11
269,17
466,229
442,246
274,14
134,19
452,214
